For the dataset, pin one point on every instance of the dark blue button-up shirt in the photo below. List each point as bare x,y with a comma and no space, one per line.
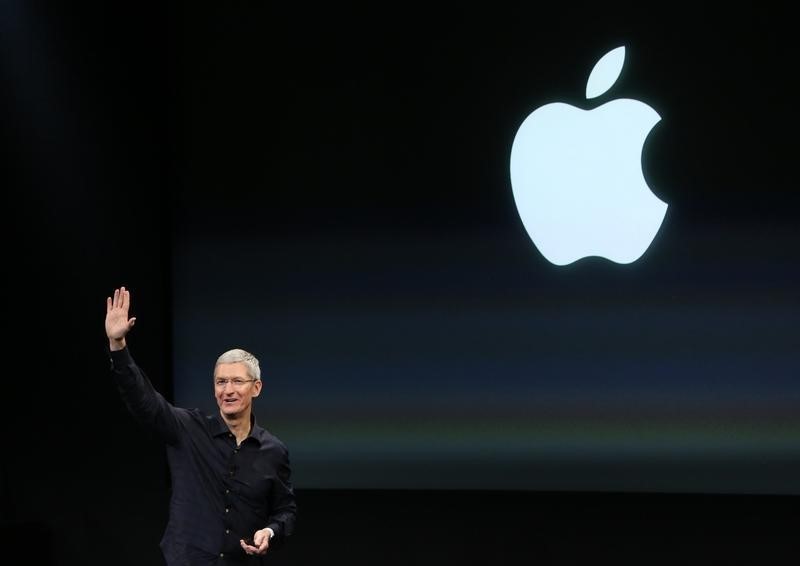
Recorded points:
221,492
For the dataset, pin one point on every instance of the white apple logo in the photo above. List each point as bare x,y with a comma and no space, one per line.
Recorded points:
577,177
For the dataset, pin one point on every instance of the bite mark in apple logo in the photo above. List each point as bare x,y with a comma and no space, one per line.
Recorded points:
577,178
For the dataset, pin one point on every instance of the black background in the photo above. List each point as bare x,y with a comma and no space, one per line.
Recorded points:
344,210
99,134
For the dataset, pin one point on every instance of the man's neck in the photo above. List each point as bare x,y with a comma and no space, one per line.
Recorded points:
238,425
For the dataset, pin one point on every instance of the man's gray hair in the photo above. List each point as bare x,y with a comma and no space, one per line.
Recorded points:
237,355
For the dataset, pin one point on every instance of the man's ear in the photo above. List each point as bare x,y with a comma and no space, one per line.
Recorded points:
257,385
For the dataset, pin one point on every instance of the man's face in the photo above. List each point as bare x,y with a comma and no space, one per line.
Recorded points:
234,389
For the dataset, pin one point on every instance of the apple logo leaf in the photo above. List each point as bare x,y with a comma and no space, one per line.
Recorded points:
605,73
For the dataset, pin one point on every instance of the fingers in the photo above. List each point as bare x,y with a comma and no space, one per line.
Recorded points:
249,549
121,300
131,322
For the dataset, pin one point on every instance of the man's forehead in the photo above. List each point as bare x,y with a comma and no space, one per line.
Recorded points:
237,369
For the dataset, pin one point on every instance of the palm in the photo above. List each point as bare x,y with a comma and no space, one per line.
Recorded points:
117,322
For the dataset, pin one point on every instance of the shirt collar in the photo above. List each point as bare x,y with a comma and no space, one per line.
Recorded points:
219,428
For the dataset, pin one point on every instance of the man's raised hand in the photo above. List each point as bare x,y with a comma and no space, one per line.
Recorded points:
117,322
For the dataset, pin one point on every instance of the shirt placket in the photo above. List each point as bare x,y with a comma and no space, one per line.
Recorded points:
228,520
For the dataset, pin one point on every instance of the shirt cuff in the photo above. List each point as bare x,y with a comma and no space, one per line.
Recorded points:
119,358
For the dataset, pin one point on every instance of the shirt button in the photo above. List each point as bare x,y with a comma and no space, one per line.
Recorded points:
227,509
227,531
222,555
227,491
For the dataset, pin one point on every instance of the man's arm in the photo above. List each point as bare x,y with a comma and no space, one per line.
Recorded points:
141,398
283,509
283,512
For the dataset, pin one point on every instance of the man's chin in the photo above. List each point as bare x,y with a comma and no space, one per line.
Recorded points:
231,412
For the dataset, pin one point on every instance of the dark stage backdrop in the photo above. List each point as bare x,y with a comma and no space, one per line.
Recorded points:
346,213
365,238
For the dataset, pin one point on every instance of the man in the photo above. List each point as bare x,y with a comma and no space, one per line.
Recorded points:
232,497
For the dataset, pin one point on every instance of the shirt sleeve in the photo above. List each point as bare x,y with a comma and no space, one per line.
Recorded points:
282,505
146,404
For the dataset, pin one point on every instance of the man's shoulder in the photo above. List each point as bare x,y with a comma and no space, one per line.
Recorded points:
269,441
197,416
